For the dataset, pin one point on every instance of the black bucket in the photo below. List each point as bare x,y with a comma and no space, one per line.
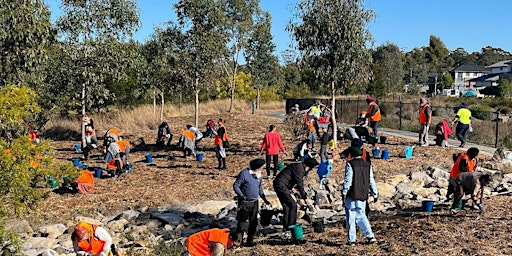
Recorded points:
266,217
383,139
318,225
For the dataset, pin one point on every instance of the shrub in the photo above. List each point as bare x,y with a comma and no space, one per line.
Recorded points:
482,112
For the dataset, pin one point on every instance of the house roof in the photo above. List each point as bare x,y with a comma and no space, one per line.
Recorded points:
488,77
503,63
471,68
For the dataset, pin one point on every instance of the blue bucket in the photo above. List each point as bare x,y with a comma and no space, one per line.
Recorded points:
376,153
408,152
149,158
99,172
427,205
200,157
76,162
78,147
385,154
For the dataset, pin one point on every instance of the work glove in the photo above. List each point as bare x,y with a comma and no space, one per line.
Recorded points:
242,198
267,203
481,207
375,199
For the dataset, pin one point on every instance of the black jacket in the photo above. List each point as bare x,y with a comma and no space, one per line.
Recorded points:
292,175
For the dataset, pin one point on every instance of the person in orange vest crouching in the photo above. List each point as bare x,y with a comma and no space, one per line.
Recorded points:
212,242
425,119
465,162
92,240
373,114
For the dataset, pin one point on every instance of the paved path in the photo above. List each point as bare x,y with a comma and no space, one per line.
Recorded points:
410,135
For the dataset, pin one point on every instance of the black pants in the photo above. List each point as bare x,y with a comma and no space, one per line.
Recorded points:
247,211
289,207
275,160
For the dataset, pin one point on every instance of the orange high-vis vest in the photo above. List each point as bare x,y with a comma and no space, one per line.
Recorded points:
92,244
423,116
311,125
455,169
123,144
113,131
363,156
190,135
377,116
197,244
218,140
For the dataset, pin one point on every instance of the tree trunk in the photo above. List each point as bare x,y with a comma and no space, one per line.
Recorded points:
154,101
333,116
233,84
258,90
162,101
196,105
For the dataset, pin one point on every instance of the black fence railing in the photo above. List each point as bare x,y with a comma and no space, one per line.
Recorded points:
489,128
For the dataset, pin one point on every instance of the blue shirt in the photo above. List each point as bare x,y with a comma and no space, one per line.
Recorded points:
248,185
349,173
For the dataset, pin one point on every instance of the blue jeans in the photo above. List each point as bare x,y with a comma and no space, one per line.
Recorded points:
355,213
313,139
462,130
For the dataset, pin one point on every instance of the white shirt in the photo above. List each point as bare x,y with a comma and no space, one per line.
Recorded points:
196,131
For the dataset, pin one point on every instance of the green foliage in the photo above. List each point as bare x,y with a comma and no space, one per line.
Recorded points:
170,248
25,34
504,88
445,81
9,243
298,91
244,88
482,112
388,60
269,94
17,107
332,36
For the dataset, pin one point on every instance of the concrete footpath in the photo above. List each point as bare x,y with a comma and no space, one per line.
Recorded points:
410,135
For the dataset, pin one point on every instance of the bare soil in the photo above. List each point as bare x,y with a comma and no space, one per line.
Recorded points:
184,180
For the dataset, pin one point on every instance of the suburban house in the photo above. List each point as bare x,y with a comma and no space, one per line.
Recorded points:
504,66
463,74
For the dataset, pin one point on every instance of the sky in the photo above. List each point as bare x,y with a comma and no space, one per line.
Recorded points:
469,24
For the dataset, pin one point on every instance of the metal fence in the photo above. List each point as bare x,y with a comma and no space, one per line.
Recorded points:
489,128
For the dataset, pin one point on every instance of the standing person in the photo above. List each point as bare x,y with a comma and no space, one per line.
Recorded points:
247,188
213,241
221,136
292,179
466,162
463,119
356,145
425,119
374,115
91,239
312,131
470,183
358,181
271,144
324,140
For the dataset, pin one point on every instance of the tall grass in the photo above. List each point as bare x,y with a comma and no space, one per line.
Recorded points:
146,117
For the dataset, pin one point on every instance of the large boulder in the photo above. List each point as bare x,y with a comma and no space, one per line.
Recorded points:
212,207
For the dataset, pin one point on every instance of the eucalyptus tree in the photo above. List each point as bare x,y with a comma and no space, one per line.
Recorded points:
25,34
388,59
95,31
239,20
332,36
261,62
203,43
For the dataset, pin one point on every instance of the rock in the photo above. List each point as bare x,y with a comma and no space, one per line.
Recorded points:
212,206
422,177
88,220
386,190
325,214
182,208
52,231
168,218
438,173
130,214
425,193
321,198
117,225
40,242
397,179
442,183
49,252
19,227
404,187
